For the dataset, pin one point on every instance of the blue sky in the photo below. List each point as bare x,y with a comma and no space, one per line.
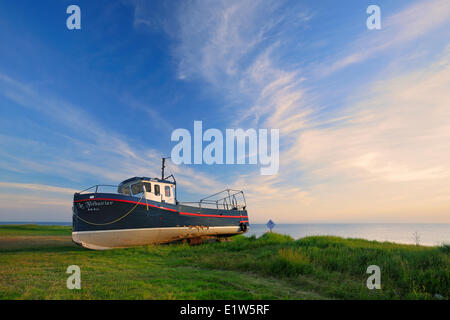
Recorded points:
363,114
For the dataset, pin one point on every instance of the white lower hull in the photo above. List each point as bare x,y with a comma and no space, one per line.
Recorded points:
109,239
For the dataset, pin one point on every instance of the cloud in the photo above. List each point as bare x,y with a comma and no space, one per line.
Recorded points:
403,119
275,93
70,116
212,39
398,29
156,119
215,36
389,160
39,187
34,202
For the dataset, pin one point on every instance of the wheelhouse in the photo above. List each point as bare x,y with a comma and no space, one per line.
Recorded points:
151,188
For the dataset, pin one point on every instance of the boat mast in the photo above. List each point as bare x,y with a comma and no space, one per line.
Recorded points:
163,165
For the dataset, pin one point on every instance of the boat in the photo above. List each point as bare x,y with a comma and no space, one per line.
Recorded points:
142,211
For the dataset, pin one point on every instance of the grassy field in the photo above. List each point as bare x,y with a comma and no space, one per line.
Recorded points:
34,259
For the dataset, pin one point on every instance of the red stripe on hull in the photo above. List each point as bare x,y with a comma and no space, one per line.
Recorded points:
210,215
164,208
129,201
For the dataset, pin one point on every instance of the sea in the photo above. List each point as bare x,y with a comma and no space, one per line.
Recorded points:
407,233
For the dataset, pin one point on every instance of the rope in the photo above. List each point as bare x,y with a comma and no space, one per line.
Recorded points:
104,224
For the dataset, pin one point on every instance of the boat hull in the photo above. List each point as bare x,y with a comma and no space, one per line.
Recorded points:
105,221
109,239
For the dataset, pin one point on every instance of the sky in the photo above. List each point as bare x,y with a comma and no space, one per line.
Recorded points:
363,115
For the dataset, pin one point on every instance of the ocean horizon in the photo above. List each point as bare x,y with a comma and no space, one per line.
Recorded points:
429,234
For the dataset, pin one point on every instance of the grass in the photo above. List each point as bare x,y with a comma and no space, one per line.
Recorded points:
34,259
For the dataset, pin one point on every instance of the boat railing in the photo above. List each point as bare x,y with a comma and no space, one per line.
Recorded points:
100,188
228,199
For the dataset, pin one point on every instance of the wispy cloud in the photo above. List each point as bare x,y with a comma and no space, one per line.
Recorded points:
402,117
226,33
34,202
38,187
392,155
151,111
213,39
398,29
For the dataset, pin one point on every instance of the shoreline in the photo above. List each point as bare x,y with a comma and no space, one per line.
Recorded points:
429,234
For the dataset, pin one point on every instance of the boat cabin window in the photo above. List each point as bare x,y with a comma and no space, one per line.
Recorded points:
136,188
147,186
167,191
125,190
157,190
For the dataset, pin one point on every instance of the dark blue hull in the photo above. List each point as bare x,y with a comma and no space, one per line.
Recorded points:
100,214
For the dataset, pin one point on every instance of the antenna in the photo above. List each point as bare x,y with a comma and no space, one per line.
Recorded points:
163,165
